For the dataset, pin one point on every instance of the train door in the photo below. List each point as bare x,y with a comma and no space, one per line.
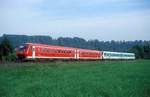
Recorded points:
33,52
77,54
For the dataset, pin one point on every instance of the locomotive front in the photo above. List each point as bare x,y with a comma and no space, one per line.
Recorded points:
21,51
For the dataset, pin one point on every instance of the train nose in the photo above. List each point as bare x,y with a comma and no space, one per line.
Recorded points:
21,56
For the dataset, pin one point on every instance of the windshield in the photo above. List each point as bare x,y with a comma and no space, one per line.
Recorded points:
21,48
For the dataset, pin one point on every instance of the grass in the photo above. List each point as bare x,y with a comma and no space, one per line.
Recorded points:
76,79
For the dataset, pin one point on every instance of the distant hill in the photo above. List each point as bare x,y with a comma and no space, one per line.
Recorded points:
17,40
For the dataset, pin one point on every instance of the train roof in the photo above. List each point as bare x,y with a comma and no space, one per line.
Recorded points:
54,46
46,45
118,52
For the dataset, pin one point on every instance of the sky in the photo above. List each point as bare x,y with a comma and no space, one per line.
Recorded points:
88,19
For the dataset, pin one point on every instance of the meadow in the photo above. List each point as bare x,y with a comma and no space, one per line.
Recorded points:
76,79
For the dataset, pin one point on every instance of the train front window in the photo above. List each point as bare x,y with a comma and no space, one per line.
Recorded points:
22,48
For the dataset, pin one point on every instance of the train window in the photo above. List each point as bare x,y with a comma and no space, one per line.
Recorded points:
66,51
50,51
22,48
47,50
43,50
105,54
30,49
53,51
58,51
63,51
38,49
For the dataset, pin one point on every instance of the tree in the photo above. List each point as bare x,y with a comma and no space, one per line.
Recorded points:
1,52
146,51
141,51
138,50
5,48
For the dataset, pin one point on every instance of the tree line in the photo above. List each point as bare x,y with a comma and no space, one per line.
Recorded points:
9,42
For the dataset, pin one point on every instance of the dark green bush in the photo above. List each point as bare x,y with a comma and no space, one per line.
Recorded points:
10,57
6,51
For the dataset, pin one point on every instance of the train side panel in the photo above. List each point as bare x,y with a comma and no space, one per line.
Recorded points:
117,55
53,52
89,54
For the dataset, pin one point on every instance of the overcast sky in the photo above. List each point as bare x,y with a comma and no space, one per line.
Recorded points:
89,19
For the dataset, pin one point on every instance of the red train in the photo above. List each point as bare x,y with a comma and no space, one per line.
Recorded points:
32,51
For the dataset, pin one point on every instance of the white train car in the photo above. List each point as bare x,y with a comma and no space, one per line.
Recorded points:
117,55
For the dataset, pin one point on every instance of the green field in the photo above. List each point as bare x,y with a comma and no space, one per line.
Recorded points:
76,79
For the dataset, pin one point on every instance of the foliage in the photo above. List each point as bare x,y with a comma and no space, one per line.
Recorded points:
6,49
76,79
123,46
141,51
11,57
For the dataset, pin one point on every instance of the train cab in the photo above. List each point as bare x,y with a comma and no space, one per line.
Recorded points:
22,51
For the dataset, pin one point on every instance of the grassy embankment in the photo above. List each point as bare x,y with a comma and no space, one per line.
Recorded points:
76,79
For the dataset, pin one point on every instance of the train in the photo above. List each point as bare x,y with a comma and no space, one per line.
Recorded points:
32,51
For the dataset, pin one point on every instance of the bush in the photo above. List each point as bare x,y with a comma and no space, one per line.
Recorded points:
141,51
6,51
10,57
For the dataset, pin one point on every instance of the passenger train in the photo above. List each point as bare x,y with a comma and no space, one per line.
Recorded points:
32,51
